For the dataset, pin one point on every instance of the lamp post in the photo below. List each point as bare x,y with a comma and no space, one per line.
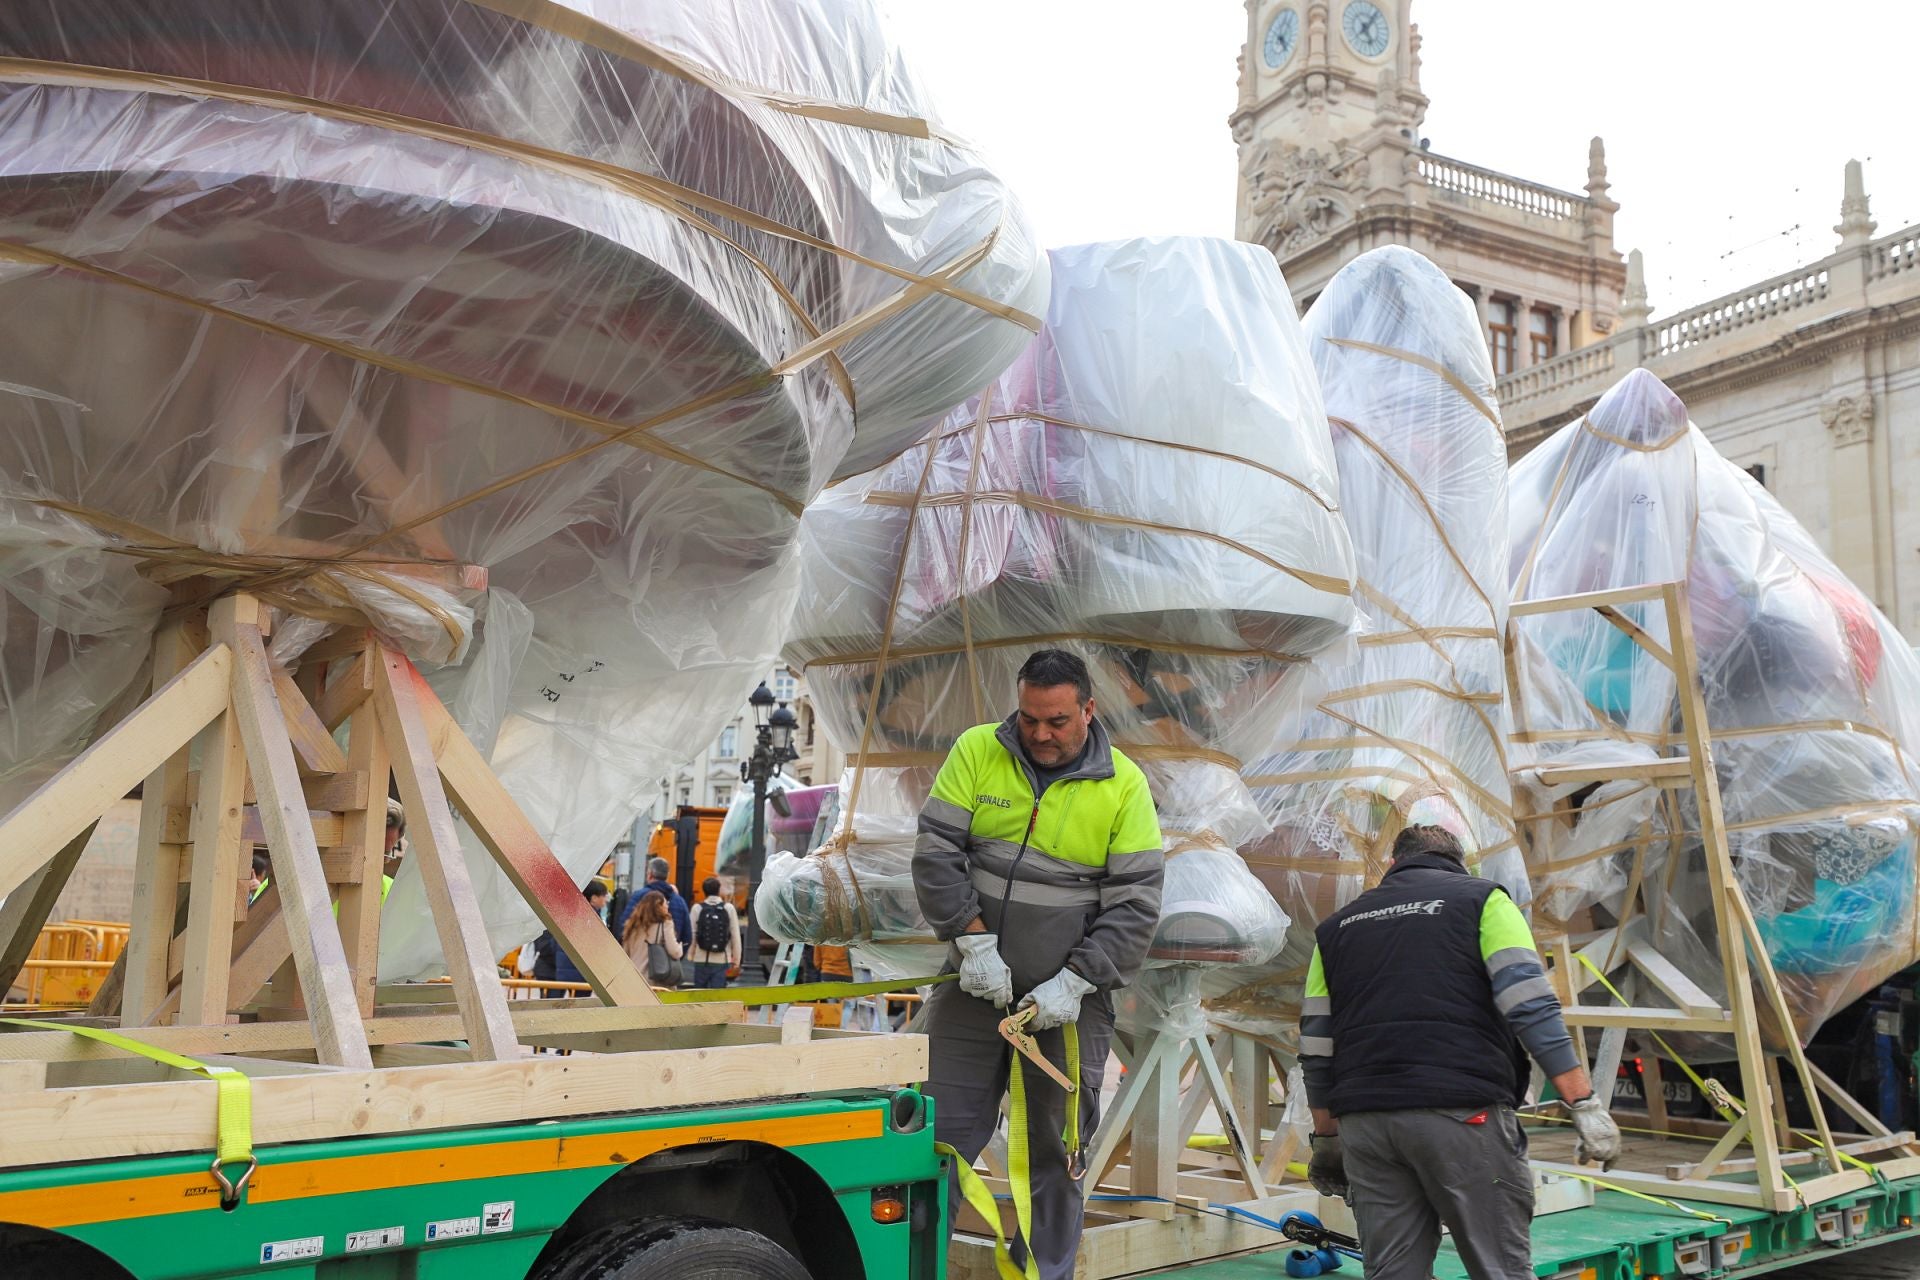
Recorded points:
773,726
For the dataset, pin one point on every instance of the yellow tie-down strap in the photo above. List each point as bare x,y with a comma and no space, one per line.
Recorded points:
974,1190
233,1120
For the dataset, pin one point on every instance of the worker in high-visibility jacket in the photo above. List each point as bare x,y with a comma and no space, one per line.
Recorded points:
1039,859
394,851
1425,996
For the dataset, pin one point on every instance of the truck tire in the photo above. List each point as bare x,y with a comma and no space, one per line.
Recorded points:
676,1249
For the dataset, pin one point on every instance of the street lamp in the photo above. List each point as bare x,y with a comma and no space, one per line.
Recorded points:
773,726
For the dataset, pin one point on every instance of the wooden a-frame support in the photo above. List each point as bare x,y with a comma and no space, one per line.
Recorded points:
1627,957
270,772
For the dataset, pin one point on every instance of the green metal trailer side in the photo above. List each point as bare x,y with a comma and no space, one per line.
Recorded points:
849,1185
1623,1238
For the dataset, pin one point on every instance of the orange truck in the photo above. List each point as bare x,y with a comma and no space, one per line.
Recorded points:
690,842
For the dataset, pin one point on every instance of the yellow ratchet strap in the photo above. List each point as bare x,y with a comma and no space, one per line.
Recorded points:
1709,1090
233,1117
1674,1205
1019,1161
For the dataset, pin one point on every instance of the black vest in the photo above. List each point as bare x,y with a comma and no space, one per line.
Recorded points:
1414,1023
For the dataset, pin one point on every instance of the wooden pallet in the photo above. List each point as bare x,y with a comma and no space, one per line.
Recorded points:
229,751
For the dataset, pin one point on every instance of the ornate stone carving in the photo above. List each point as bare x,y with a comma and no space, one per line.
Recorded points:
1849,418
1297,195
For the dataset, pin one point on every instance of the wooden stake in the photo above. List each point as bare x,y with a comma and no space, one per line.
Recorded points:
215,867
366,841
526,860
1726,886
68,802
1735,1133
443,871
25,912
1655,1088
312,740
339,1037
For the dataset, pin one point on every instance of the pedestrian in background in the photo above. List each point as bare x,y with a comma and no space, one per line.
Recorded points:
657,882
716,937
564,969
649,940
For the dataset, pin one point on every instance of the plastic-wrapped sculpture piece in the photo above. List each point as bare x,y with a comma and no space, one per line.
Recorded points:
1413,728
1812,698
327,300
1149,485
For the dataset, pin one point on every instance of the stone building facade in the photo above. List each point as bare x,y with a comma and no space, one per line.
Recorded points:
1332,164
1810,379
712,777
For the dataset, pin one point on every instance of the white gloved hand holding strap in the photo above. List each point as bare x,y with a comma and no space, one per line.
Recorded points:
1057,1000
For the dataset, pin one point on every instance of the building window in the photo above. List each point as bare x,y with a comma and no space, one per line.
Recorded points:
1500,336
1540,335
1758,471
729,745
723,795
784,685
686,795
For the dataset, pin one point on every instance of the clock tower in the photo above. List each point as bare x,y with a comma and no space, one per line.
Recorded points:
1332,163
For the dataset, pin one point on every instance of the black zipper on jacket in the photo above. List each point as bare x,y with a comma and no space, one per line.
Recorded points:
1006,895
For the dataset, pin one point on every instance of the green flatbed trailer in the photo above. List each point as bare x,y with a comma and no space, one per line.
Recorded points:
1621,1237
797,1188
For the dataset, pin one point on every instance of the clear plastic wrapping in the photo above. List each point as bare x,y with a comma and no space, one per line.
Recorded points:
1411,728
1811,696
323,300
1149,486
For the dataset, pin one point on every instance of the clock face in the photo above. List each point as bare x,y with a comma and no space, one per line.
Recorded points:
1283,33
1365,28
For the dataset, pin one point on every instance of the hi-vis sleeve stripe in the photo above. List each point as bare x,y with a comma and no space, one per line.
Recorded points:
942,879
1520,988
1316,1034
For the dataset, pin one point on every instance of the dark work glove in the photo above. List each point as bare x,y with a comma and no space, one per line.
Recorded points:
1327,1170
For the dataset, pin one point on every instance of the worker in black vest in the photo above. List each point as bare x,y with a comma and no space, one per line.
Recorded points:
1420,997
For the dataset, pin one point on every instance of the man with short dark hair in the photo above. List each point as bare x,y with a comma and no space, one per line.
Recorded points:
657,882
716,937
1424,997
1039,858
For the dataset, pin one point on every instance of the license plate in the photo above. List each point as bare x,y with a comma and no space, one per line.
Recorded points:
1628,1087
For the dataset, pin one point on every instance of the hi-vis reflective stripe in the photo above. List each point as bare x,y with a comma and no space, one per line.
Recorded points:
80,1204
1033,892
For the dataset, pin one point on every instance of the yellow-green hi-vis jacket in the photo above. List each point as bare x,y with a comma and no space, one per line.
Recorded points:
1070,879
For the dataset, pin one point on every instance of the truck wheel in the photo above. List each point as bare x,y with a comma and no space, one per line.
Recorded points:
677,1249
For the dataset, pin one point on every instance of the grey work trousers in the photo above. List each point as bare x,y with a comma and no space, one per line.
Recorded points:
968,1077
1410,1171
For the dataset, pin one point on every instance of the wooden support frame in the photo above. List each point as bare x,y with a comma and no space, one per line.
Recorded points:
1633,962
302,761
1172,1081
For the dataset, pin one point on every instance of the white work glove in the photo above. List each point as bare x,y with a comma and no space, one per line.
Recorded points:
1057,1000
983,974
1599,1140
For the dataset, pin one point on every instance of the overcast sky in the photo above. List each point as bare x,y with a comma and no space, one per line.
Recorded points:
1727,124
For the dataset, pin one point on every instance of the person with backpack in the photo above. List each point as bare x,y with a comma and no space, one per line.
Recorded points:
716,936
650,940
